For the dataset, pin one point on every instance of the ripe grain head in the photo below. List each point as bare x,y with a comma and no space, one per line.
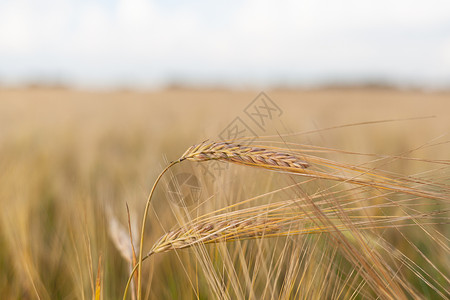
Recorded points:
211,232
246,155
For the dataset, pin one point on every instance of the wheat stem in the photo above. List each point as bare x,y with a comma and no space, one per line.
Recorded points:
144,219
130,278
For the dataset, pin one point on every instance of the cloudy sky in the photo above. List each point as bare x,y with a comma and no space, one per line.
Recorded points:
143,43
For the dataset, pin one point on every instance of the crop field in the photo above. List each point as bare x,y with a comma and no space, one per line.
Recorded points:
332,193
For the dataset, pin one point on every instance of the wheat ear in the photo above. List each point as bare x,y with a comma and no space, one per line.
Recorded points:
252,156
212,232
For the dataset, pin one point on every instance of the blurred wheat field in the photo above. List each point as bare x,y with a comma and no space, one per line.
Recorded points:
70,161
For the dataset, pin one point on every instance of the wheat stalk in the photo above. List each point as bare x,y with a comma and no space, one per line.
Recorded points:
277,219
277,159
274,159
251,156
270,220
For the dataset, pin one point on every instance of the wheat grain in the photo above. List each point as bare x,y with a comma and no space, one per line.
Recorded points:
253,156
210,232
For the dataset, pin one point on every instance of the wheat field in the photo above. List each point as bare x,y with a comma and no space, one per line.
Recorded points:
337,193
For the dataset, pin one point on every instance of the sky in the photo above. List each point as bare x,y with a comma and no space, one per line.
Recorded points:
151,44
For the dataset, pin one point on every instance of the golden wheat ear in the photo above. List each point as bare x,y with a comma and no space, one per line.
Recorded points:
244,155
212,232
